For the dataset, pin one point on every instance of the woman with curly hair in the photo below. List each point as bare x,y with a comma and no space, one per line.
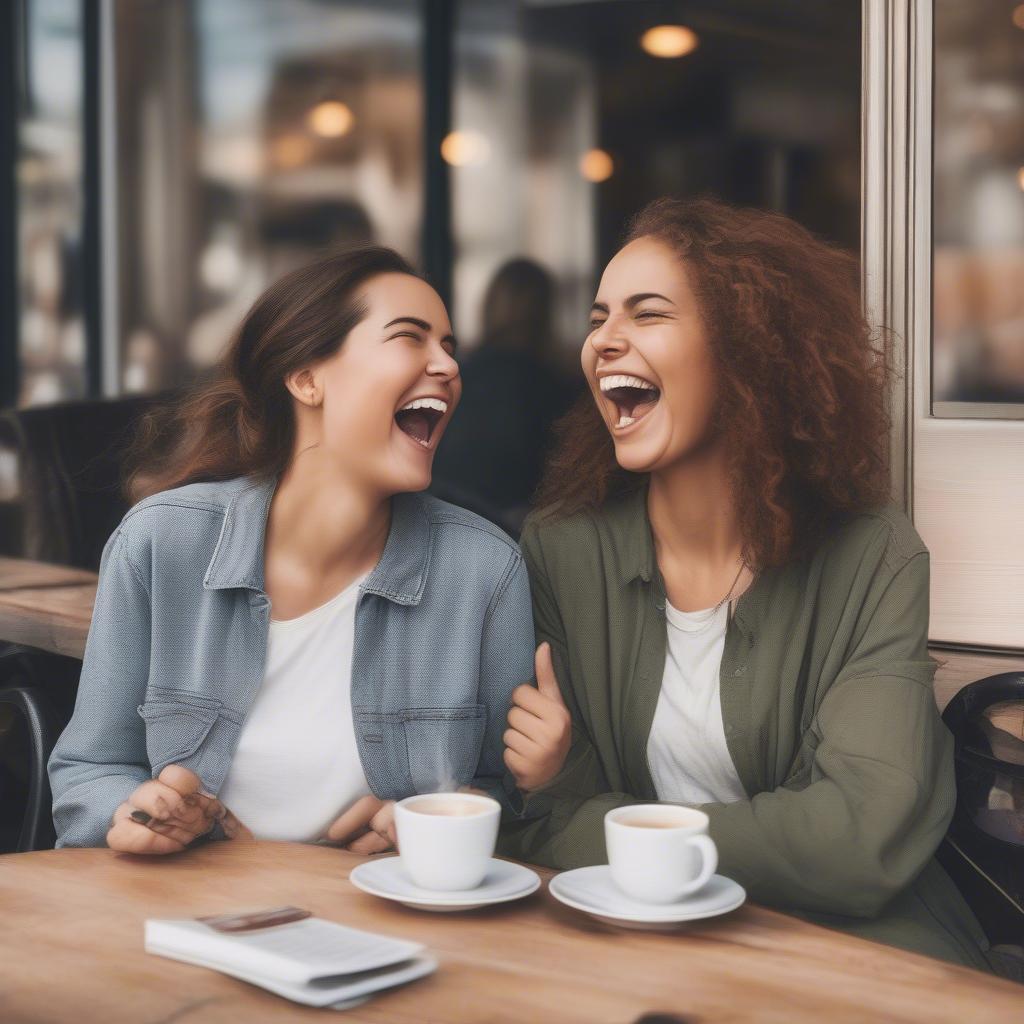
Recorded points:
731,617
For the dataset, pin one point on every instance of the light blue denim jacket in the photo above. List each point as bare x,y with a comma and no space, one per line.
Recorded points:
176,651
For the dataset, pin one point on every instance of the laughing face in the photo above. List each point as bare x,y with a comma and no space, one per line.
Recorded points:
390,390
647,359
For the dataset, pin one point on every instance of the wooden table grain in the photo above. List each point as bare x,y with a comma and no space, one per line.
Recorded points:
71,948
46,606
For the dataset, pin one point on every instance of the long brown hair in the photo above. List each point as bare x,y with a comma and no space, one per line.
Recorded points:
802,380
241,422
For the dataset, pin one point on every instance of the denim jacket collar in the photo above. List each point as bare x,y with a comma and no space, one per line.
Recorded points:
400,575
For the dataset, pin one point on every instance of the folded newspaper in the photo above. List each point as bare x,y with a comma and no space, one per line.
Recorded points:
293,954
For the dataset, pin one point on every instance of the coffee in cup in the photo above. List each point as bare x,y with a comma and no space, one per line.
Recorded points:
659,853
445,807
446,840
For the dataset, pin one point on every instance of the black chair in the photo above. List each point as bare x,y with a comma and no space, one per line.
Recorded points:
37,824
68,502
983,851
69,458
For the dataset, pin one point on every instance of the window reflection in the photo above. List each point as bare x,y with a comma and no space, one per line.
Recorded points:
570,116
567,118
49,198
253,135
978,328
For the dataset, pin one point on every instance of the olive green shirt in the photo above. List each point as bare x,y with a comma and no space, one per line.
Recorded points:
829,716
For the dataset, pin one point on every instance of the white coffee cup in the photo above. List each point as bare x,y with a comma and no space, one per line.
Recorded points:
446,840
659,853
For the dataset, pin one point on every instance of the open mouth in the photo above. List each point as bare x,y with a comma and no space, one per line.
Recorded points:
633,397
419,419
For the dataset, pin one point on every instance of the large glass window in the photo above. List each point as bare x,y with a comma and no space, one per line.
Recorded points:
252,135
51,335
978,318
567,118
570,116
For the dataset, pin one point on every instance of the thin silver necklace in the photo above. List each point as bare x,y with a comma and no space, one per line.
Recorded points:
739,573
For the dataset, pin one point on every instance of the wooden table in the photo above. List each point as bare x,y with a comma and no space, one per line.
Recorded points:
46,606
71,949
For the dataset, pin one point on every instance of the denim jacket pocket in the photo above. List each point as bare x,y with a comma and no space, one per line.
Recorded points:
175,730
444,746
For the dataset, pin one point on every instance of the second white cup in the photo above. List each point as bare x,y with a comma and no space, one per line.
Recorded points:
446,840
659,853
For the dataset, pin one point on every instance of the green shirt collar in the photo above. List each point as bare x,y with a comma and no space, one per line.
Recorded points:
629,524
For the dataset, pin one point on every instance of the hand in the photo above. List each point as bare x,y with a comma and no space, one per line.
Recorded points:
166,814
368,826
540,727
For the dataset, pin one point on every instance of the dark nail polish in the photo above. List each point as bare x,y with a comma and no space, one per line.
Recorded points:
141,817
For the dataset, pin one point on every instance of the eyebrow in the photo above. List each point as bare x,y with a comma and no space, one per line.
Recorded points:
632,301
422,325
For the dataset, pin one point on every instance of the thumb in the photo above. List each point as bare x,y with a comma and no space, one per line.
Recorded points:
547,681
180,779
356,819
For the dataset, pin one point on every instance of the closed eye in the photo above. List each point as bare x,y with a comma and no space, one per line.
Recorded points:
648,314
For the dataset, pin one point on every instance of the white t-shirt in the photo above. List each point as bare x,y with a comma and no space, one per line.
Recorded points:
686,750
296,766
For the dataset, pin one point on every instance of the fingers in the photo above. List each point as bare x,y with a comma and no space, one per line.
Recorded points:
369,844
519,766
180,779
530,726
547,683
539,735
515,740
184,834
156,804
127,836
355,819
180,835
160,801
383,823
181,814
367,813
530,699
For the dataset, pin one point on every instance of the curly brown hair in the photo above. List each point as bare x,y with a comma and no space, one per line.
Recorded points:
802,380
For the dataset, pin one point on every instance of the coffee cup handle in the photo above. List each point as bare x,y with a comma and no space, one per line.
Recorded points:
709,856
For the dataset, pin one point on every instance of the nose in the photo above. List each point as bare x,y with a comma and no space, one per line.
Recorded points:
609,340
442,365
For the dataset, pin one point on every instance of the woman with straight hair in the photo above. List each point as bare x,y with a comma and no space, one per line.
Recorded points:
731,615
289,636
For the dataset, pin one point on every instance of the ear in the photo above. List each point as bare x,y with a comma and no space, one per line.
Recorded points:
304,386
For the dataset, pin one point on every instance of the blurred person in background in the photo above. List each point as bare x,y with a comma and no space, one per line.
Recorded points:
493,453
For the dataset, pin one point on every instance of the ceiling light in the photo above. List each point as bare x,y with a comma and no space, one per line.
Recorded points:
465,149
596,165
331,119
669,41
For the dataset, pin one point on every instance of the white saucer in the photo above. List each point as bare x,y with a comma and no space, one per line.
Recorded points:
386,878
593,891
